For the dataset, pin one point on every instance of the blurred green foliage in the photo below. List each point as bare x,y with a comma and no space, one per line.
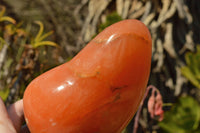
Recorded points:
4,94
110,19
20,52
192,70
184,117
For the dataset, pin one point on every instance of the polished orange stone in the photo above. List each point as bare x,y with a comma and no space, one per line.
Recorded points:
99,90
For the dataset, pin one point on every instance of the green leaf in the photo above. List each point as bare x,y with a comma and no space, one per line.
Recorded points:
186,71
49,43
192,70
5,18
37,38
184,117
45,36
9,19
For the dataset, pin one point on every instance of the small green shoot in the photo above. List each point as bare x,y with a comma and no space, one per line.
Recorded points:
39,39
5,18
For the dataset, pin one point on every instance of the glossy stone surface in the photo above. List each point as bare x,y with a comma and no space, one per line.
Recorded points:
99,90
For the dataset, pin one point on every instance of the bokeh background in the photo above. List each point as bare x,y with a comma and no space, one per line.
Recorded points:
37,35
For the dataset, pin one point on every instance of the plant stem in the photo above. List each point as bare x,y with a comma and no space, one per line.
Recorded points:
140,107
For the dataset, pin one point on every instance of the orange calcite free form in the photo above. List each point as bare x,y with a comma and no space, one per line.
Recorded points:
99,90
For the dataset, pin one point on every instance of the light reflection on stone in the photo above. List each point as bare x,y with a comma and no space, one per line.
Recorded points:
61,87
110,39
